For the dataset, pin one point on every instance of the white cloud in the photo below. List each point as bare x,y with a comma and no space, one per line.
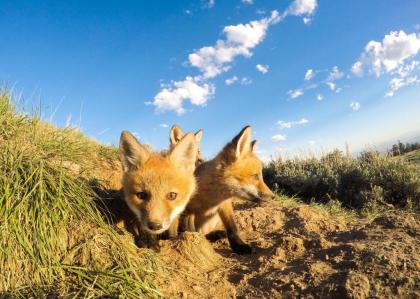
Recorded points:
163,125
172,97
230,81
417,26
309,74
287,125
246,81
397,83
234,79
335,74
248,1
407,69
311,142
393,55
213,60
208,3
395,48
357,68
331,85
278,138
262,68
295,93
307,20
355,106
302,7
240,40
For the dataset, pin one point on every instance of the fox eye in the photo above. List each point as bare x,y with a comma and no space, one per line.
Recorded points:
256,176
171,195
142,195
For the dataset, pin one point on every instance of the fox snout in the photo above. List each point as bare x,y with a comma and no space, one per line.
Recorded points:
267,196
262,196
154,226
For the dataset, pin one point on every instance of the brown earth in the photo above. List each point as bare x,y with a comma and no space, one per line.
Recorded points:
299,252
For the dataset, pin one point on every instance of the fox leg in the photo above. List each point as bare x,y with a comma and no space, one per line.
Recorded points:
187,223
206,223
173,228
236,243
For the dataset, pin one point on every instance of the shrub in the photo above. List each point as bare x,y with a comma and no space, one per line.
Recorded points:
355,182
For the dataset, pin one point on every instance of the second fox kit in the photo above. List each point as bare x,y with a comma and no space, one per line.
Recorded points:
157,187
176,135
234,172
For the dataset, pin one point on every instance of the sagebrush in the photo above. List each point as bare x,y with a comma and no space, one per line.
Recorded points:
358,182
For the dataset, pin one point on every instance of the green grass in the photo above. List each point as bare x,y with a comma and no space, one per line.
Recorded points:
53,240
332,208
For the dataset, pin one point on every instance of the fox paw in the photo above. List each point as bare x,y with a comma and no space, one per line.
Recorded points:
241,248
216,235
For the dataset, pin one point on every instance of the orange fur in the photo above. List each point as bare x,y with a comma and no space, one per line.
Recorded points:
234,172
150,181
176,135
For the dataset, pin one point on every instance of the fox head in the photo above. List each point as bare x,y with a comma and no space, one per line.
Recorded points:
242,170
176,135
157,187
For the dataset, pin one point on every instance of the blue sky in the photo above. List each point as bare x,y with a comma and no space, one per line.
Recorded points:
307,75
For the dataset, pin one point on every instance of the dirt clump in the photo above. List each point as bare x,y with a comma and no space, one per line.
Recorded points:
194,269
357,285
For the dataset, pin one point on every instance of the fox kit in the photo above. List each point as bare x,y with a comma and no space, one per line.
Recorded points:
157,187
234,172
176,135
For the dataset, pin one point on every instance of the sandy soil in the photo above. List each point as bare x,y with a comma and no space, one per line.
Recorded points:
299,252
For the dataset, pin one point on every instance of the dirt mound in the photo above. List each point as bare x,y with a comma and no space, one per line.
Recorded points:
299,252
194,269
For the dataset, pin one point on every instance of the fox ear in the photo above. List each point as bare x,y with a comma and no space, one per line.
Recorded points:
175,135
198,135
132,153
184,154
253,145
242,142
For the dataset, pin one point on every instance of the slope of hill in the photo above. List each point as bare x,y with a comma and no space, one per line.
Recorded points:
413,157
54,241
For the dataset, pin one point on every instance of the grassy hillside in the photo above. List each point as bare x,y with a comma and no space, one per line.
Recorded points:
53,240
412,157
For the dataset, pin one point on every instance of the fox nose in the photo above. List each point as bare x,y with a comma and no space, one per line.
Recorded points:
267,196
154,225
